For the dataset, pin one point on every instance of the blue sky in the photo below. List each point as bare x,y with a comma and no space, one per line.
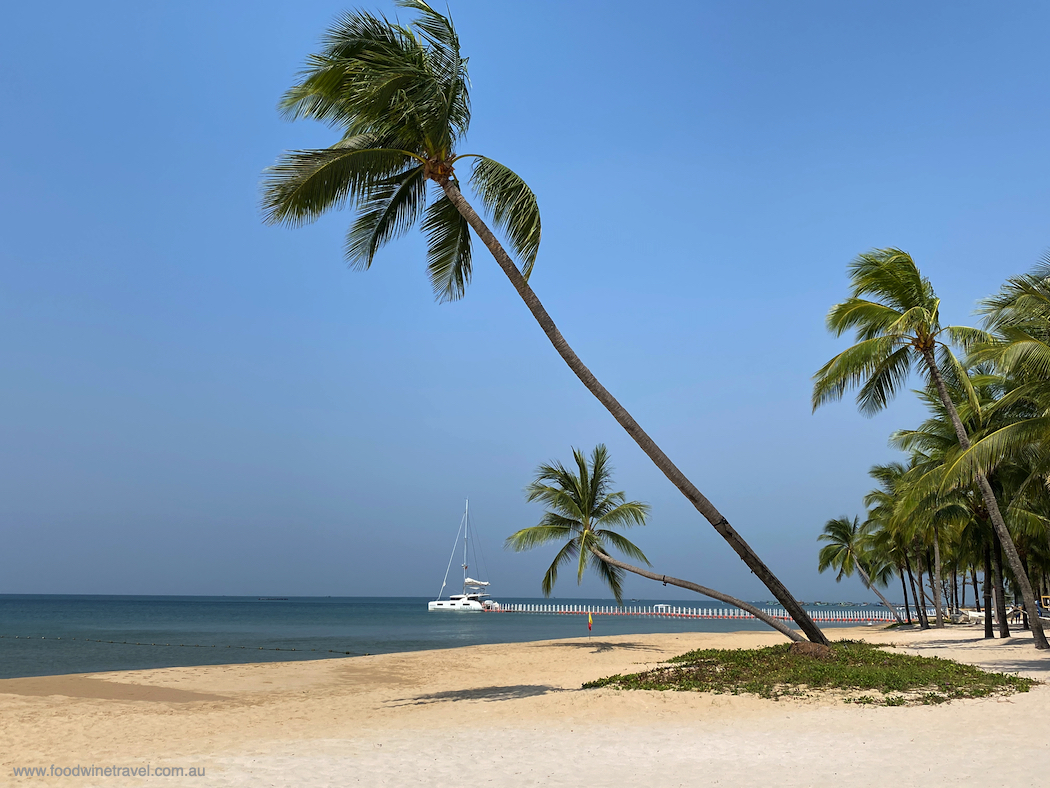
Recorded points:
197,403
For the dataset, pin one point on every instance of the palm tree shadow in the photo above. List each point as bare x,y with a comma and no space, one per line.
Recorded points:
601,646
513,692
1010,656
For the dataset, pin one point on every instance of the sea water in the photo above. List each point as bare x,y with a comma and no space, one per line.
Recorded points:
44,635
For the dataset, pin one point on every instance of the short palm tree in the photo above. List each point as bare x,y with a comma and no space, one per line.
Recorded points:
845,551
888,533
895,314
398,95
581,510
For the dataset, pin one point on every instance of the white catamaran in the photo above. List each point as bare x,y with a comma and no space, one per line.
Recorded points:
474,596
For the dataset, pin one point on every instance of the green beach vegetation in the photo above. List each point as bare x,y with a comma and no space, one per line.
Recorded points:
397,97
973,494
850,667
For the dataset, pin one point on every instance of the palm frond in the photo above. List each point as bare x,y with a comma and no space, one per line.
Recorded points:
449,67
566,554
536,535
512,206
627,514
853,366
303,184
623,544
960,378
389,211
448,250
884,379
986,454
870,318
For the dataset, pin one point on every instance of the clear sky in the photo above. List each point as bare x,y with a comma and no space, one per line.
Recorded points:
195,403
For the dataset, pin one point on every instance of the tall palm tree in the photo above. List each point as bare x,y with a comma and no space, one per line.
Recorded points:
845,551
898,328
398,95
581,510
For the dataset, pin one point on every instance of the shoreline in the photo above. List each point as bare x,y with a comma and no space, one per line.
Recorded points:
405,718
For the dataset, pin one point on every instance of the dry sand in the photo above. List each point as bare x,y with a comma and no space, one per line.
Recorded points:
514,715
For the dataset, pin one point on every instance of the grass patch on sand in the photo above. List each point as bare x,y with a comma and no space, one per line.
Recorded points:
886,678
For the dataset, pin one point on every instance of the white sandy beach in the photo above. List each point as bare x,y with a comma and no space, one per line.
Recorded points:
514,715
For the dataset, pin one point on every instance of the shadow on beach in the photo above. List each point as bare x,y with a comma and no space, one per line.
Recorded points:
599,646
478,693
1010,655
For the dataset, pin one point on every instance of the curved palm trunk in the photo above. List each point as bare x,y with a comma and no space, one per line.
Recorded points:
920,604
937,602
1000,591
990,502
618,412
922,595
761,615
904,590
989,627
886,602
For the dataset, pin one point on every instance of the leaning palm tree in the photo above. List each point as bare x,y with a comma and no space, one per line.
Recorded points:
581,510
398,96
846,551
897,329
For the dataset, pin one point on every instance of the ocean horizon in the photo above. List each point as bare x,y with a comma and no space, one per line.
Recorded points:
52,634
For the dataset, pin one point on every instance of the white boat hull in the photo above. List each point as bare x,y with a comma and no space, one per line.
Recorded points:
460,605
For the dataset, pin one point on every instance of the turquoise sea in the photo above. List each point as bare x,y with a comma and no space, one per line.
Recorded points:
44,635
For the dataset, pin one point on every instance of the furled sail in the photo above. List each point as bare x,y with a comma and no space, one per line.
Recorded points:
471,582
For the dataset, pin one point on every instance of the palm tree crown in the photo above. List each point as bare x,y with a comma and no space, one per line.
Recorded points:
849,549
896,316
581,510
844,539
398,94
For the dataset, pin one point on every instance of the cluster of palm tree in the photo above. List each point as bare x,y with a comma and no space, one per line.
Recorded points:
973,495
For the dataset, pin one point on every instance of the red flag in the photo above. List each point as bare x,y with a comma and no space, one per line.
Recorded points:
589,622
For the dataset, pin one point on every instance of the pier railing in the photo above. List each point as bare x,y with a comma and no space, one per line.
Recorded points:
824,615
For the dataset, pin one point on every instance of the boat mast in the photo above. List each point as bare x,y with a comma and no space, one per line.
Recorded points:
466,528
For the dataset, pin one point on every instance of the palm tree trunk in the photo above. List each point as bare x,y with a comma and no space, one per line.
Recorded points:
904,590
976,593
992,505
989,632
886,602
922,598
1027,571
1000,590
919,612
937,602
761,615
625,420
